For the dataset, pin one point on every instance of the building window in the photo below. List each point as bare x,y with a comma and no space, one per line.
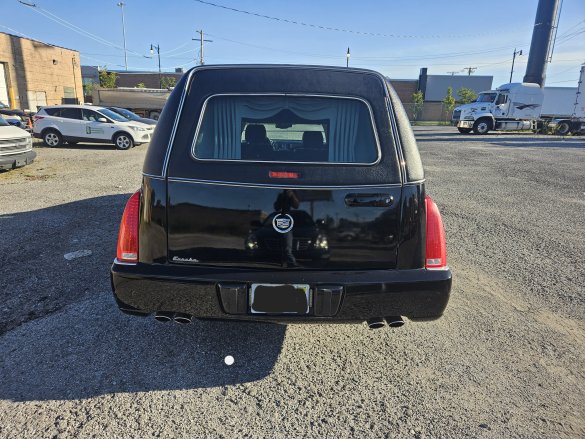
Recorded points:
69,96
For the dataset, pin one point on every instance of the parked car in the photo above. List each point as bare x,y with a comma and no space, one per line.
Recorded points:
12,112
80,123
15,146
19,118
15,121
279,147
132,116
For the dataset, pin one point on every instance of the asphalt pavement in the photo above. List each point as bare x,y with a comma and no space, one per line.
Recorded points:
506,359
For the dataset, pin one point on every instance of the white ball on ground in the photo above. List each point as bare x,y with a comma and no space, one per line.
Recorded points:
229,360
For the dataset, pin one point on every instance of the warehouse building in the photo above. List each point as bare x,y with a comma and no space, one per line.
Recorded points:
34,74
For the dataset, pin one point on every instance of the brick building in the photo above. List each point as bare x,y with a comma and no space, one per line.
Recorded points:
34,74
404,88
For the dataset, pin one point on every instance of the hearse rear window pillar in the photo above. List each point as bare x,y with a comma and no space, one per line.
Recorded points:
286,128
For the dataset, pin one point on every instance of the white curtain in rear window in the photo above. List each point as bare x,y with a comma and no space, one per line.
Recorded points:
349,121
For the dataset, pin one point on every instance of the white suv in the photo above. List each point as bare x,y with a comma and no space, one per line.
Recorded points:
81,123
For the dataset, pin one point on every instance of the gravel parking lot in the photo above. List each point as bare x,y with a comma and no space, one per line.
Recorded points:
506,360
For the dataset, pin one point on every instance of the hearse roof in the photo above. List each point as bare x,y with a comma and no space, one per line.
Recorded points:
179,118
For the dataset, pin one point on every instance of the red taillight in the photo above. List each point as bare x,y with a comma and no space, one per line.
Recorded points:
283,174
436,252
128,237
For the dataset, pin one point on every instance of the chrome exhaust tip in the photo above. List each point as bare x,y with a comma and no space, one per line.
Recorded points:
183,318
375,323
163,316
395,321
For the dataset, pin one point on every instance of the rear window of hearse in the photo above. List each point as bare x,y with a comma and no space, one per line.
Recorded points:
285,128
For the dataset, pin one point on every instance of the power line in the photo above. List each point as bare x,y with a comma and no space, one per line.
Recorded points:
568,80
571,36
16,32
164,69
570,28
101,61
47,14
176,55
74,28
560,73
177,48
330,28
382,58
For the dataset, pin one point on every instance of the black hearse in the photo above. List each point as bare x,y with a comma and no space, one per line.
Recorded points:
282,193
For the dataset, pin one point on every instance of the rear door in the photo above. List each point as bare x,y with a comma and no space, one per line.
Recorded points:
70,122
284,182
341,228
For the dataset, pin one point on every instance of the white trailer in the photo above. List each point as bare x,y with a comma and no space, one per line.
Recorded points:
575,123
558,102
147,102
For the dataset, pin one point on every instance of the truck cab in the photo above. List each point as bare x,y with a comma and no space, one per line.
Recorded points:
514,106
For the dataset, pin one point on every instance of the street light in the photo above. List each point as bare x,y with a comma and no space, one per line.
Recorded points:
121,5
519,52
347,55
157,47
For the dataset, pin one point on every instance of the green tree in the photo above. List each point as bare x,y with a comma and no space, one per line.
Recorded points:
88,89
449,103
418,99
168,82
108,79
140,85
466,95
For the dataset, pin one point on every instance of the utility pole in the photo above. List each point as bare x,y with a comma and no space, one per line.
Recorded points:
470,70
157,47
201,40
347,55
121,5
519,52
453,73
73,64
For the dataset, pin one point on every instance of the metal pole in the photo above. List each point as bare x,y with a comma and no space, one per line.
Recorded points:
121,4
513,59
201,48
201,41
74,79
159,78
347,58
512,69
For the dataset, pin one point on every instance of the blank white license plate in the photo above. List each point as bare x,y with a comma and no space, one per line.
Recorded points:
280,298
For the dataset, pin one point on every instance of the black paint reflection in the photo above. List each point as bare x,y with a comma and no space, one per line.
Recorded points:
305,241
235,226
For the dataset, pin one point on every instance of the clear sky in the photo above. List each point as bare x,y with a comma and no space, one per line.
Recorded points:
395,37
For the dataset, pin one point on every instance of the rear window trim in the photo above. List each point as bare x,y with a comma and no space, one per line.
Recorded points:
273,185
312,95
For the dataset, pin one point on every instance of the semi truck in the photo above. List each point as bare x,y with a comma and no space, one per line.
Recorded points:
146,102
528,105
524,106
